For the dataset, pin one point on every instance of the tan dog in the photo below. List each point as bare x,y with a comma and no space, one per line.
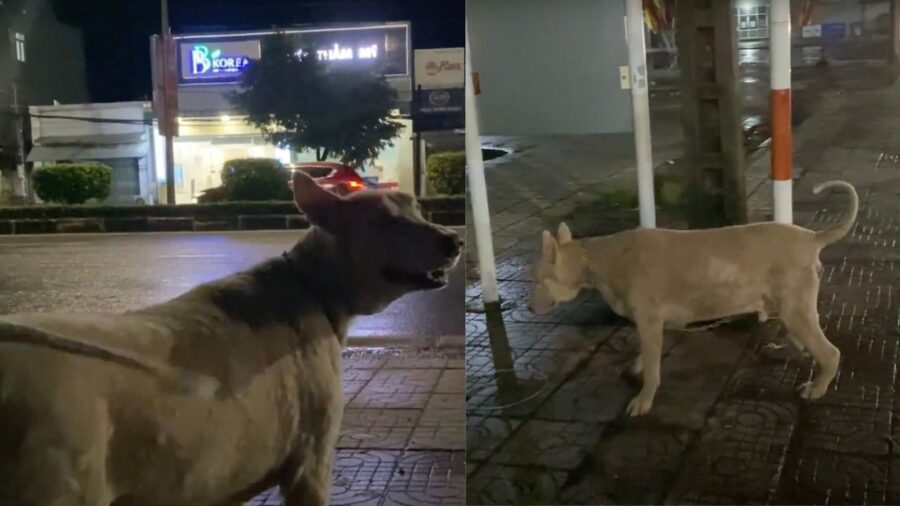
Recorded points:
88,413
661,278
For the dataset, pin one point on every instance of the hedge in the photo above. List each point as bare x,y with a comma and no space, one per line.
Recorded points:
190,217
447,172
73,183
255,179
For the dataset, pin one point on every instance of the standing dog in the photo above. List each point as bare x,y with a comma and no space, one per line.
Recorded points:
221,393
661,278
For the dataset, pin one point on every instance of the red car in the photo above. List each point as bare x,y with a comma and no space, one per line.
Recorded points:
337,177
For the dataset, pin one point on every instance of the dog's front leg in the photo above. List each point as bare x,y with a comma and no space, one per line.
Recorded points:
650,333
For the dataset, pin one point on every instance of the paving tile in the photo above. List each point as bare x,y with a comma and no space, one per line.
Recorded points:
428,478
378,428
362,476
636,462
452,381
519,390
845,429
598,394
819,477
405,380
740,454
514,485
486,434
551,445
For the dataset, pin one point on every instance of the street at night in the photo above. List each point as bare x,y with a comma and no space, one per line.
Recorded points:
118,272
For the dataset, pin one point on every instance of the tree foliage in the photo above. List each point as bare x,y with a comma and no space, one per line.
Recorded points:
302,103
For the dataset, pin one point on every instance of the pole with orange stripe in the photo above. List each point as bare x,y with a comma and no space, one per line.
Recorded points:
780,108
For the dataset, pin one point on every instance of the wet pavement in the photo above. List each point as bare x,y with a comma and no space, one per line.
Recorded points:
402,441
117,272
545,408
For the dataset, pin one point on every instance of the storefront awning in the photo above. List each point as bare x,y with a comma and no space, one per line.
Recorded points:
93,147
69,152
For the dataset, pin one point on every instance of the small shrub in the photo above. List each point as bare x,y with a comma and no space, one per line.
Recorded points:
255,179
447,172
73,183
212,195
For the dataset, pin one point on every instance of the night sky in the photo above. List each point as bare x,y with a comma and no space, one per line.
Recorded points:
117,32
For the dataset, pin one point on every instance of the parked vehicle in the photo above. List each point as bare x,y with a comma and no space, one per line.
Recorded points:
337,177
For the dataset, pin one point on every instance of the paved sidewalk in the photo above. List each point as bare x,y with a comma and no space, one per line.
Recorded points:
727,427
403,438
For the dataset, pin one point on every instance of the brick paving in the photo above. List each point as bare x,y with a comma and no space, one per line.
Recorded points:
727,426
403,437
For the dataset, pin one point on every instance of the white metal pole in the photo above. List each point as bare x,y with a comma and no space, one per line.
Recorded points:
780,108
640,105
478,190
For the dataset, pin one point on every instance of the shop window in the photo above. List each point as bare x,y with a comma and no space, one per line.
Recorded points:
20,47
752,22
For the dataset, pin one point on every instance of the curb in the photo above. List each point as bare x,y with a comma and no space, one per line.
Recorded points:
142,224
398,341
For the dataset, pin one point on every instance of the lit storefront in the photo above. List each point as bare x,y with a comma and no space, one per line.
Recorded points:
211,131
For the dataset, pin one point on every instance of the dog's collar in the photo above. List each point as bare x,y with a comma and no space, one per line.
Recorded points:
332,321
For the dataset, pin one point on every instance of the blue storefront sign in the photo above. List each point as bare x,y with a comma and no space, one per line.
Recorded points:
216,60
439,109
834,31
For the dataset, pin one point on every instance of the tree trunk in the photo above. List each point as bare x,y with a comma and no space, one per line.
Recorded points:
325,154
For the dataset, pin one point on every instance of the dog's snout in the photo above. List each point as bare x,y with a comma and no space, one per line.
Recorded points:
452,244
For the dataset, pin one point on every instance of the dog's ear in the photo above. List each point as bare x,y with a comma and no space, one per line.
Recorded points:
319,204
548,246
564,234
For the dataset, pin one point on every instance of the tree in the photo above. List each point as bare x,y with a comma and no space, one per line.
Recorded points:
300,102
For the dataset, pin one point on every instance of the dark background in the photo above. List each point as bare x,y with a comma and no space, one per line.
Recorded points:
117,32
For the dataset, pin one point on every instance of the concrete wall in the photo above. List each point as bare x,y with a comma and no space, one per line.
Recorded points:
550,67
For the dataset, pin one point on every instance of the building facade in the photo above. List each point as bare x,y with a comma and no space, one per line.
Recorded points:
550,67
41,62
119,135
212,131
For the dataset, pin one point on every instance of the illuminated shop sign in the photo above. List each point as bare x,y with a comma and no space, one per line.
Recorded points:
343,53
223,58
216,60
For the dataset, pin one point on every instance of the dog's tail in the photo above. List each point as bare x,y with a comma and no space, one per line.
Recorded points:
181,380
837,232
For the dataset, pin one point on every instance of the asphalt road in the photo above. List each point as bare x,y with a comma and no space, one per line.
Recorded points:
117,272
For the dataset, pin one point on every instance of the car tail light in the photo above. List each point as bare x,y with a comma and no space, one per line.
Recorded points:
355,184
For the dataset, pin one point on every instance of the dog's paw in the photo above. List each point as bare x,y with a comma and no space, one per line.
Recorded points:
640,405
810,391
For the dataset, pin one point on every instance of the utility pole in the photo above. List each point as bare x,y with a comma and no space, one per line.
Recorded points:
21,186
168,107
714,159
780,109
481,214
640,106
894,32
17,58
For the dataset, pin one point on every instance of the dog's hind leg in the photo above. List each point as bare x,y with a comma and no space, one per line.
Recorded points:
801,319
650,333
